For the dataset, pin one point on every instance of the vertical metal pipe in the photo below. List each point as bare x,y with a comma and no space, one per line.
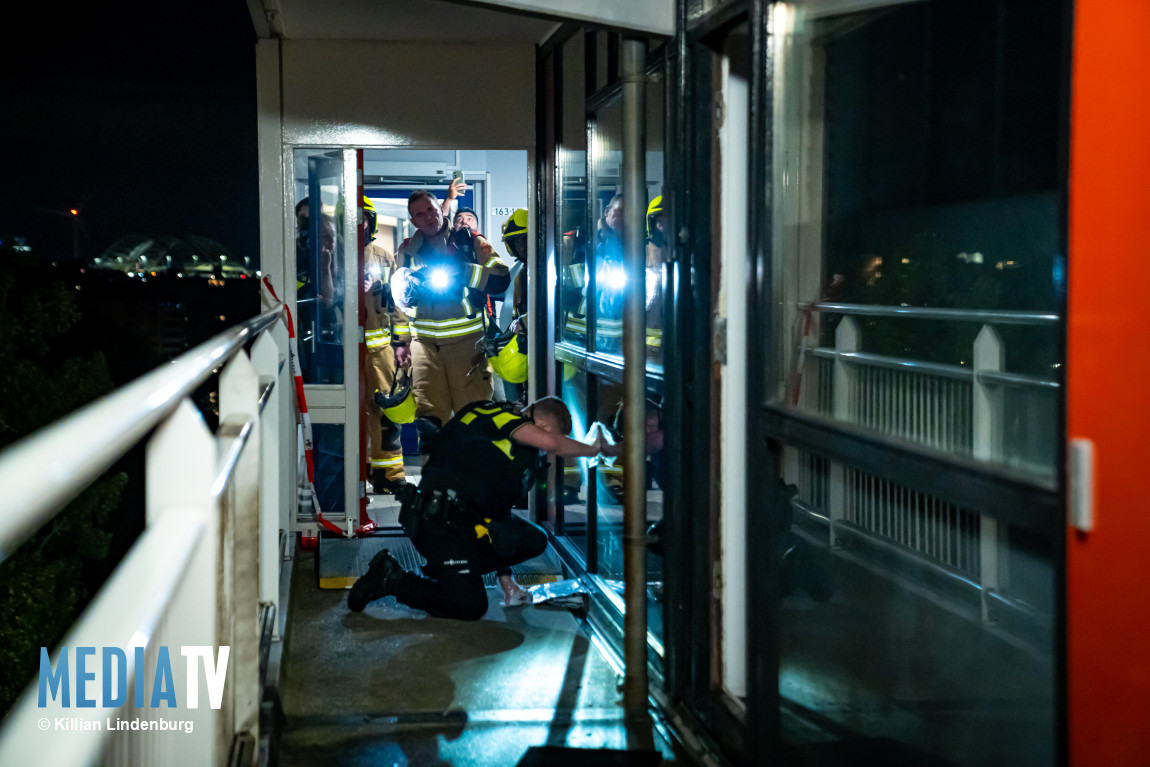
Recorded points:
634,370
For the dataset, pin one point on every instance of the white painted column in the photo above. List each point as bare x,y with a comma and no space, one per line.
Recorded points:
266,359
239,398
733,139
987,415
844,403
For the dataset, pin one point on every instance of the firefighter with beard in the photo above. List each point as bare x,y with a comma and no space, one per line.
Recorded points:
442,287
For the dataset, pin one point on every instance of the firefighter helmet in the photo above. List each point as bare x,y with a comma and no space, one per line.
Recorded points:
654,210
515,225
507,360
399,405
370,217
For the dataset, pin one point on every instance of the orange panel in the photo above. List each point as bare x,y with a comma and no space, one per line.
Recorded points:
1108,382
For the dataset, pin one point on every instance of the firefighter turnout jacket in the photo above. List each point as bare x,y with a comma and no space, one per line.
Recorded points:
453,312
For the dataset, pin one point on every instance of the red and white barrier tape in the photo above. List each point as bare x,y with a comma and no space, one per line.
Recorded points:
305,419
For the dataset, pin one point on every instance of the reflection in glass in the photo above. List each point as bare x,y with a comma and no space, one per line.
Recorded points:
916,206
572,183
609,279
575,470
955,610
329,467
654,430
319,264
658,246
919,175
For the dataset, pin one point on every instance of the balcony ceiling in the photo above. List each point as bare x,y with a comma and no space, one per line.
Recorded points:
394,20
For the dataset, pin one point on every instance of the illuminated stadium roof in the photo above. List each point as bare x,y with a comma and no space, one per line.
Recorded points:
189,256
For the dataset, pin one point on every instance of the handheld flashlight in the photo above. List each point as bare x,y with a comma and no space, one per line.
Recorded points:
439,278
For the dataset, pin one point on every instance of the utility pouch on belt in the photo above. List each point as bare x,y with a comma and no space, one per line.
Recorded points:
417,507
410,509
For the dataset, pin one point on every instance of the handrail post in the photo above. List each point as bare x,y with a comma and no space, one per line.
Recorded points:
844,406
266,360
987,444
287,445
239,403
180,465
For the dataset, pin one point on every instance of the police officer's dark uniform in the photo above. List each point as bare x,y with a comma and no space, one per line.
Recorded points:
460,517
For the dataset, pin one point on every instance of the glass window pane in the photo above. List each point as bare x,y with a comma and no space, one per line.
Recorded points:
571,159
609,278
319,264
659,251
917,190
329,468
609,486
575,470
912,626
655,547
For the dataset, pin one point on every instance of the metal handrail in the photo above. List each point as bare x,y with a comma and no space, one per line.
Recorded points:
45,470
232,437
956,372
896,363
1019,380
125,613
988,316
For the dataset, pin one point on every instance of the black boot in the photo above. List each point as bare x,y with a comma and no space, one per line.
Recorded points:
383,572
381,485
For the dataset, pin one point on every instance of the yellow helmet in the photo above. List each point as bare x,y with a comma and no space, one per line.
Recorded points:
369,216
654,209
399,405
515,225
510,364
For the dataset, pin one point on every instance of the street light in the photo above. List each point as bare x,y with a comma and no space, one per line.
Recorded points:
75,234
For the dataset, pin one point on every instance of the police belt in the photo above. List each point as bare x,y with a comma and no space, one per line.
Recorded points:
435,506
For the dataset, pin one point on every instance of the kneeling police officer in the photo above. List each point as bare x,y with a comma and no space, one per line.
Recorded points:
460,518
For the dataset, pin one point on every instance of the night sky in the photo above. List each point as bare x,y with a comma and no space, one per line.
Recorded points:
139,114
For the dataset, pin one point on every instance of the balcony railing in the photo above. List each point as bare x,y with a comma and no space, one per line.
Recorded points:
979,412
203,573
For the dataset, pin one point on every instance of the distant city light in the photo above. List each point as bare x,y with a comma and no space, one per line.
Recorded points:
75,212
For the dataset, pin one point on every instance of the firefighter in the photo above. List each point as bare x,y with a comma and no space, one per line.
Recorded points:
460,518
442,286
515,240
385,330
658,254
509,357
610,278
